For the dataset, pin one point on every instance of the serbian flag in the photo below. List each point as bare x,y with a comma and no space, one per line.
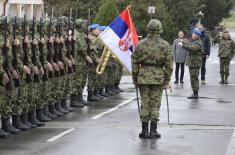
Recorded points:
121,38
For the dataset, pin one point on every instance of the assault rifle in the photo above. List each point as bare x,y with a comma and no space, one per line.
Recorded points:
6,62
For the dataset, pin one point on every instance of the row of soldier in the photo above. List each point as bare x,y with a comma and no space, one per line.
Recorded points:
45,64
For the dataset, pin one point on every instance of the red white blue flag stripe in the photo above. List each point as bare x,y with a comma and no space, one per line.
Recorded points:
121,38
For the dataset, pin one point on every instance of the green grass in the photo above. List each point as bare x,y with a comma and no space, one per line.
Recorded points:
229,22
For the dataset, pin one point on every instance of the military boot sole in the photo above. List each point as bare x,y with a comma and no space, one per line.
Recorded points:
143,136
193,98
12,131
22,128
104,95
154,135
5,136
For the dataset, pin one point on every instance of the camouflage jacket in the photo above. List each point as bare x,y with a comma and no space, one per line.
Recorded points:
97,47
226,47
152,62
195,51
81,48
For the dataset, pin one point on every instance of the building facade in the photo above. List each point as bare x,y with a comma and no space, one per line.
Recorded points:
20,8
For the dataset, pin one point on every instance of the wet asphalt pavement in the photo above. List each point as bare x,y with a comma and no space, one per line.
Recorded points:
202,127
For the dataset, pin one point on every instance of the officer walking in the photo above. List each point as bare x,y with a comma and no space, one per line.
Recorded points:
151,71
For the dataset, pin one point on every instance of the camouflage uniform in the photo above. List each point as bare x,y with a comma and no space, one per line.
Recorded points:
151,70
6,109
194,61
17,64
11,92
226,53
3,110
80,52
99,79
92,76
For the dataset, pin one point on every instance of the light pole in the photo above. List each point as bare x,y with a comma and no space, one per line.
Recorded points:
201,14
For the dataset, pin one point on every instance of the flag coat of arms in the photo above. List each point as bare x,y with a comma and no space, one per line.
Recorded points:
121,38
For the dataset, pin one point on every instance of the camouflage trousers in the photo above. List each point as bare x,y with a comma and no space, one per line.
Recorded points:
50,90
92,78
36,95
43,94
3,111
100,81
66,86
111,75
79,80
151,96
224,66
21,104
194,73
9,101
57,88
119,74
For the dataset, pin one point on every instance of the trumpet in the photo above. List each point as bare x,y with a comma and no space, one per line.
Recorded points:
104,60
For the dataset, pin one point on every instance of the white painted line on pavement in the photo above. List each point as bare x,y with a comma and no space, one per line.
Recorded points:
231,145
60,135
113,109
215,84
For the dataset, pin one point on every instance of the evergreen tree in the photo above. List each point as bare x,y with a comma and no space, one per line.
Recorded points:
141,17
182,12
215,11
107,13
122,4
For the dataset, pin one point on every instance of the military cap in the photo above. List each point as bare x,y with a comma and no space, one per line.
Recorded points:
102,28
93,27
197,32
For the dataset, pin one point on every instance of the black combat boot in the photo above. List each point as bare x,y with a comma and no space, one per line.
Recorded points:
41,116
194,95
91,97
4,134
103,93
145,130
48,113
226,79
80,99
16,122
74,103
117,87
53,110
222,79
7,127
153,130
114,90
24,119
97,94
33,119
108,91
65,106
60,109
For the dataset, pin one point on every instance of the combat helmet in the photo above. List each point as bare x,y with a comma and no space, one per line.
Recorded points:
82,24
155,26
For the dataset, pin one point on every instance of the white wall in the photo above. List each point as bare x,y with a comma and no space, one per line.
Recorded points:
2,7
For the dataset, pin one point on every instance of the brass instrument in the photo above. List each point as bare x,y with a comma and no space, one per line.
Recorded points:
104,60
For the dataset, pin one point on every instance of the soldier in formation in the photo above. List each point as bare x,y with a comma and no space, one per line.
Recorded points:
45,65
